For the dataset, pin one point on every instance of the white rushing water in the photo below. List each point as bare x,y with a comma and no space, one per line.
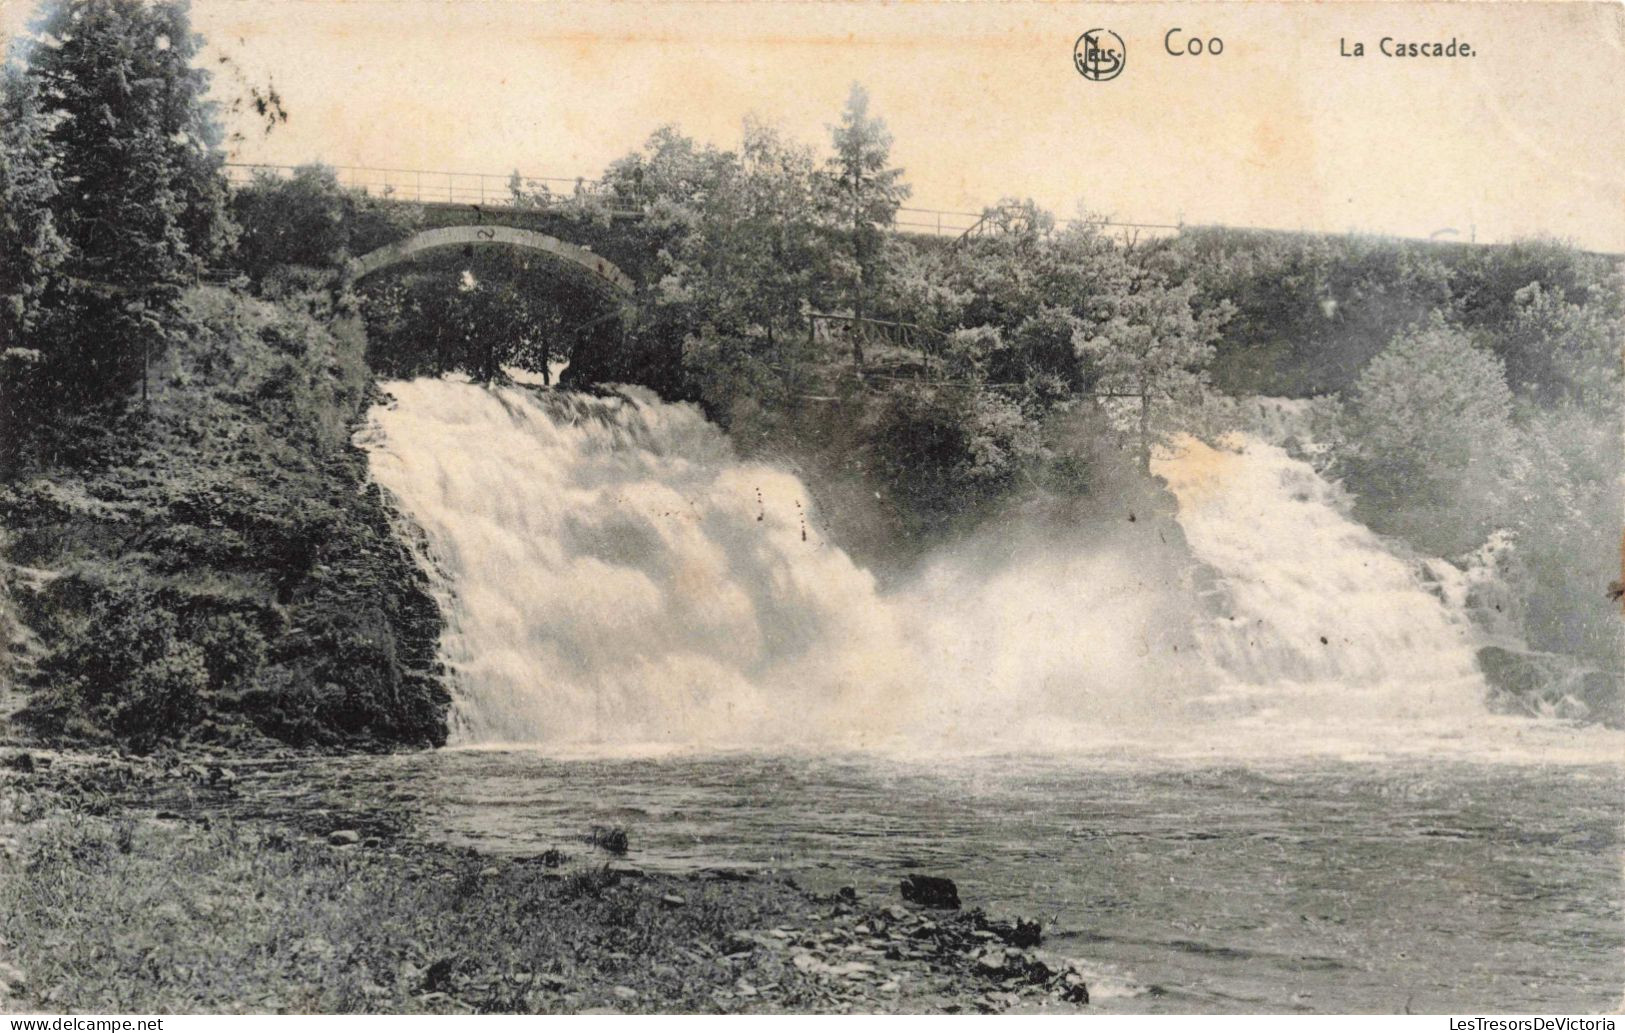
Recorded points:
1309,609
613,575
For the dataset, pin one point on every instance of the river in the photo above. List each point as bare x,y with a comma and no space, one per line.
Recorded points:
1342,886
1241,764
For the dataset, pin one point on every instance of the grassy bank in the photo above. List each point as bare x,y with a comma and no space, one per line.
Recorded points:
111,902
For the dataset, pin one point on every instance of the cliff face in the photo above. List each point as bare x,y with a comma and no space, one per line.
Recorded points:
217,566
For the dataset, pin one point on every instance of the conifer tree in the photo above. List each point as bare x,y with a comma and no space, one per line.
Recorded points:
864,193
139,195
31,249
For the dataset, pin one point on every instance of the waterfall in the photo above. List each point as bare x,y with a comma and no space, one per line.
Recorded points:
1306,609
612,574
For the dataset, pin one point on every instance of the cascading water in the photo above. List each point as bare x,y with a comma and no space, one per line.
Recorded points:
612,575
1311,611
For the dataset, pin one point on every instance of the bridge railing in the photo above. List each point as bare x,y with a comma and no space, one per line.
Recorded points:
425,186
496,190
935,222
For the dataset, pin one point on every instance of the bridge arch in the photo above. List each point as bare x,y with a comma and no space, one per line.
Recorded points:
600,268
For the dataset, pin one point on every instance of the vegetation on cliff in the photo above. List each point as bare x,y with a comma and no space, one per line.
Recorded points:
214,564
192,548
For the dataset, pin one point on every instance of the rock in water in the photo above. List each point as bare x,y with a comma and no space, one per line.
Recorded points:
608,838
344,837
931,891
1603,692
439,975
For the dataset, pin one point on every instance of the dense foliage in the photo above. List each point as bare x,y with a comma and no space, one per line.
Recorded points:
1311,311
1426,422
211,567
191,551
114,147
482,315
308,221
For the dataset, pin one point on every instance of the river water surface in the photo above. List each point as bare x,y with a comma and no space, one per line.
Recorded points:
1245,760
1327,886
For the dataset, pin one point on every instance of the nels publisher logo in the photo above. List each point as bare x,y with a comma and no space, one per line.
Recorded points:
1099,55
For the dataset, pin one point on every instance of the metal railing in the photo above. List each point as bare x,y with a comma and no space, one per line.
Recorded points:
541,193
431,187
496,191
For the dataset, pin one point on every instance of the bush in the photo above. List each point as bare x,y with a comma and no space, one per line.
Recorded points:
164,699
1565,514
232,648
309,220
124,668
942,455
1428,428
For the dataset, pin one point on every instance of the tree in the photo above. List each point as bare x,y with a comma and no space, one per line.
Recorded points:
1556,350
741,253
299,220
137,150
31,253
1042,290
477,314
31,248
777,230
137,142
1154,345
1311,310
1565,498
310,219
1429,423
863,195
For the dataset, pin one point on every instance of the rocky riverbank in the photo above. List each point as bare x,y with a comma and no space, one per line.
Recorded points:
142,885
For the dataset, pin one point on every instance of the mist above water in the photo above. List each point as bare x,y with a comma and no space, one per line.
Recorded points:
613,575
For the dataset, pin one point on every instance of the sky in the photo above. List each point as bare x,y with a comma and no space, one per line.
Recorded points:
1524,138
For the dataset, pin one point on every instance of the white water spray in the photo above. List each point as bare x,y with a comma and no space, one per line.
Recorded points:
613,575
1310,611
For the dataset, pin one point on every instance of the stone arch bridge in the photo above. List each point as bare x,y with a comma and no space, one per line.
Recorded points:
600,269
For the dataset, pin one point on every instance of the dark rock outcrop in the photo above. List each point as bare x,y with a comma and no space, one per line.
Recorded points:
930,891
1551,685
